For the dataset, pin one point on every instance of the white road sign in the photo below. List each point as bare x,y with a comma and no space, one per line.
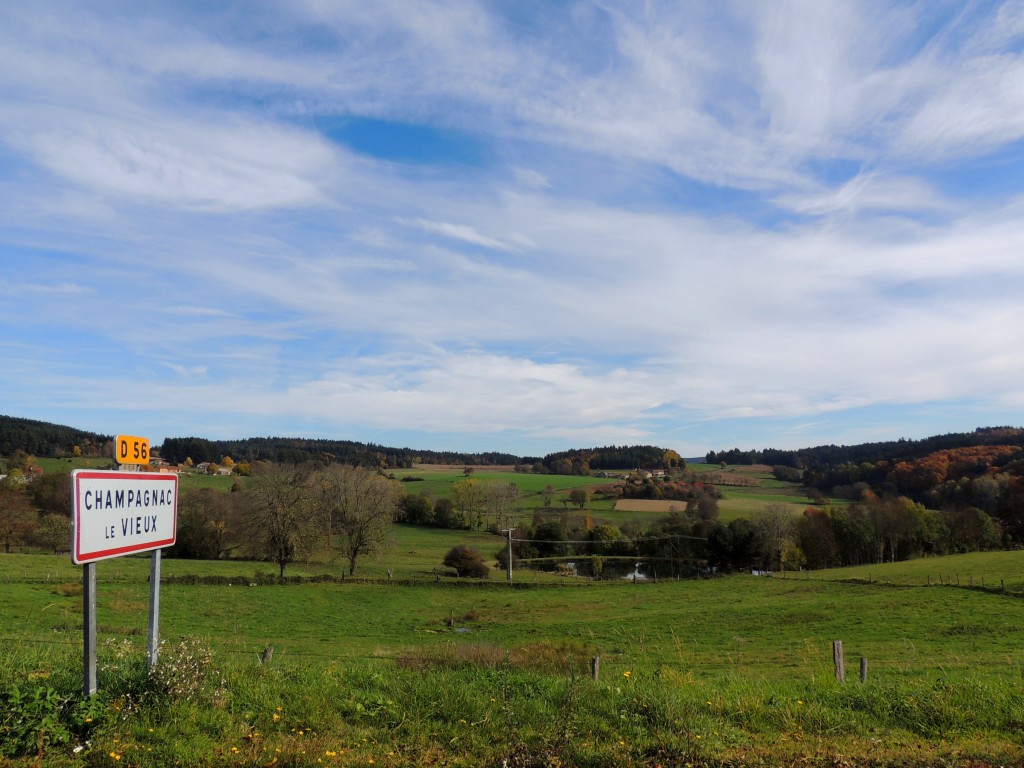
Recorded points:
120,513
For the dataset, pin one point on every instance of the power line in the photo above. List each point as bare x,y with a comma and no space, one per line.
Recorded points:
610,541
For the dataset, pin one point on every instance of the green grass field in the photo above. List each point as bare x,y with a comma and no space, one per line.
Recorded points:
438,482
428,670
992,570
418,668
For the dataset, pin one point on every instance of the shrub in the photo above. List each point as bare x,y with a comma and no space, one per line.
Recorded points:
467,562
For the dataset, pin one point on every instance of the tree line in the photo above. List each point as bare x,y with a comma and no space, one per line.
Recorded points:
693,540
584,461
287,450
40,438
284,513
824,456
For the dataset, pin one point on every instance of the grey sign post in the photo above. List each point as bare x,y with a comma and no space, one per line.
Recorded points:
116,514
89,627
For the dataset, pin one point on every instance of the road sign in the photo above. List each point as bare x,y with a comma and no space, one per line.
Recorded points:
120,513
131,450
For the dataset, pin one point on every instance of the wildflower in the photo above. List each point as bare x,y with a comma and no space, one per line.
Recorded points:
798,701
627,673
276,716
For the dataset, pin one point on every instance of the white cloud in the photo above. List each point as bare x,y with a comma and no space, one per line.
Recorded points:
683,215
199,165
461,232
19,289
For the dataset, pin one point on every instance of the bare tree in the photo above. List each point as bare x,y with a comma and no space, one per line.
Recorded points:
207,524
776,525
501,502
361,505
280,518
17,516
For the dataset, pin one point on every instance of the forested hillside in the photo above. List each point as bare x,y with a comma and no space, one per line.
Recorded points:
891,450
40,438
975,478
583,461
298,450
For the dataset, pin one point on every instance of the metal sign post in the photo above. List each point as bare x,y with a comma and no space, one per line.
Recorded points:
116,514
89,627
154,609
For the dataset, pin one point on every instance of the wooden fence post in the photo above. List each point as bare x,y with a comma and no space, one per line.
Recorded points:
595,668
837,659
863,669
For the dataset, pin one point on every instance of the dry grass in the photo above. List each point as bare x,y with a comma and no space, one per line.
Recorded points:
650,505
550,657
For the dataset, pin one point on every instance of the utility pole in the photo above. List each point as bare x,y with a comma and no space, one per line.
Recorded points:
508,553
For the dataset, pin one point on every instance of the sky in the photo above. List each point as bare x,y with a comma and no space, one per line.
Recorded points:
519,225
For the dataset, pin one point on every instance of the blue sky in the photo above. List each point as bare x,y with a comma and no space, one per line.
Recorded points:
514,226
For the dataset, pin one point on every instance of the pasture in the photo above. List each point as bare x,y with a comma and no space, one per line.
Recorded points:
430,670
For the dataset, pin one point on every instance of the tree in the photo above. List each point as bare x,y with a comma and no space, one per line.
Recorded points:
468,500
360,505
775,524
817,541
20,460
444,514
54,532
416,508
466,562
206,524
607,538
703,506
894,524
579,497
971,530
51,494
500,501
280,523
17,517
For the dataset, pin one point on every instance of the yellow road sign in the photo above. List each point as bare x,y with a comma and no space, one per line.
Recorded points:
131,450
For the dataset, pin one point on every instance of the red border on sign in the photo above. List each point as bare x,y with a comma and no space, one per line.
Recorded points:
79,557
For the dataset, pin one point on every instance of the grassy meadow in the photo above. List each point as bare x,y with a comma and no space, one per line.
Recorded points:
431,670
405,665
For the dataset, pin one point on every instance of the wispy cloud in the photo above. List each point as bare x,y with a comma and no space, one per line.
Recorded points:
675,219
461,232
